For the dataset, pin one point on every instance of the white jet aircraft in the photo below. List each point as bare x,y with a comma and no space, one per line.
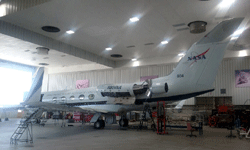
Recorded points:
194,75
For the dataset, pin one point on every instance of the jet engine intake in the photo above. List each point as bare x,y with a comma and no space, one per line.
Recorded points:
157,88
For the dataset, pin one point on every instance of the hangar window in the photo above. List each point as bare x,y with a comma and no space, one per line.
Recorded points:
54,98
91,96
81,97
63,98
72,97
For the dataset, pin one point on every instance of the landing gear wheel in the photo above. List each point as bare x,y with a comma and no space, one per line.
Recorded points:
98,124
102,123
123,122
153,127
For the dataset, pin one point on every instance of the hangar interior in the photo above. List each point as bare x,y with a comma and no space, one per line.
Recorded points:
94,44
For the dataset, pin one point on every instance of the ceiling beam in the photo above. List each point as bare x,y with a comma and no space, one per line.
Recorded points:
29,36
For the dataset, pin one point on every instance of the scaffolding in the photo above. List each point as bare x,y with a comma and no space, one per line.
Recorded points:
161,118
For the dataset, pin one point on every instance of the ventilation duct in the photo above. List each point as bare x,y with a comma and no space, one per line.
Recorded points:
42,50
197,27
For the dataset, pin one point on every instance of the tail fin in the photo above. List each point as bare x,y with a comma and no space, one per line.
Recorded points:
198,68
34,94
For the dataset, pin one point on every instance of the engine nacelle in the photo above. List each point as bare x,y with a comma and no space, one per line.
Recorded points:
159,88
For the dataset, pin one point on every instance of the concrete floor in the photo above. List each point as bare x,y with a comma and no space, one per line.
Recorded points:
78,137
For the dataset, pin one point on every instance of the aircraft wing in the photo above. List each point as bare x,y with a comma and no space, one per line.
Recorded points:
180,104
53,107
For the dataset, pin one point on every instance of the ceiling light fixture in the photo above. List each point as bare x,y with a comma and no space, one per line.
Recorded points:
108,49
70,32
134,59
181,54
234,38
136,63
134,19
226,3
164,42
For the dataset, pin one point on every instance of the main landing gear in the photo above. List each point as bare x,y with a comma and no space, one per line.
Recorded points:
123,122
99,124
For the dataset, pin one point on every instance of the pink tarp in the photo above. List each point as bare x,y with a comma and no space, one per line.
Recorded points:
80,84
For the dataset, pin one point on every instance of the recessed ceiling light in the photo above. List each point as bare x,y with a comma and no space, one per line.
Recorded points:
226,3
134,59
181,54
108,49
164,42
136,63
70,32
234,38
134,19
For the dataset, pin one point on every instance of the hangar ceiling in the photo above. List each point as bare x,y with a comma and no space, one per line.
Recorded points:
100,24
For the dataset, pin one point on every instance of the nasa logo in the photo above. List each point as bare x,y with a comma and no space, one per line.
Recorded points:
198,57
114,87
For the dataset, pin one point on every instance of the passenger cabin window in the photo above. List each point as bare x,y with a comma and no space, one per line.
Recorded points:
54,98
81,97
63,98
54,101
72,97
91,96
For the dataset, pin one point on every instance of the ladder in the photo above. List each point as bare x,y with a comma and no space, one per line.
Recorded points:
25,125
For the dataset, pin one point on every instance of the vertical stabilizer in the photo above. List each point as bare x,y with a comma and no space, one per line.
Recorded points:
198,68
34,94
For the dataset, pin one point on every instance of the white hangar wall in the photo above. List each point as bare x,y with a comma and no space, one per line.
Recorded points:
225,78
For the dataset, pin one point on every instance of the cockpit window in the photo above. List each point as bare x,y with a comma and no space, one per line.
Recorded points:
81,97
72,97
91,96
